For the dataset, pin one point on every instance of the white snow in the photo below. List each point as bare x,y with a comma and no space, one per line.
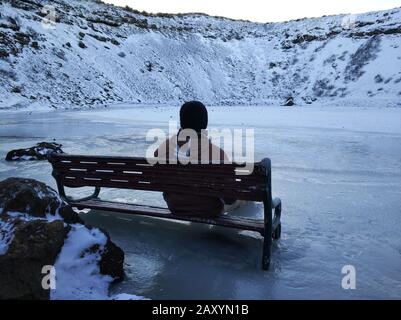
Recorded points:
6,235
26,217
218,61
25,158
125,296
77,271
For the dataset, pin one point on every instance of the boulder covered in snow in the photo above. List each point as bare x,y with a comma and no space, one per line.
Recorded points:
37,229
38,152
289,102
34,244
35,199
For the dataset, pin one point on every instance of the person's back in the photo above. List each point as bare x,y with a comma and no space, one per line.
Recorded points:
193,116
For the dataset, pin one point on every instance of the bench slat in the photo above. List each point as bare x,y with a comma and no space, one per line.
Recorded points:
251,195
162,169
64,162
232,182
225,221
74,159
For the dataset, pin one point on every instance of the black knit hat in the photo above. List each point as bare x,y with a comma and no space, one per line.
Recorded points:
193,115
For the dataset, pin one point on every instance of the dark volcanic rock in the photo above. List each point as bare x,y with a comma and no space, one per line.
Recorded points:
112,261
34,241
38,152
35,244
366,52
289,102
34,198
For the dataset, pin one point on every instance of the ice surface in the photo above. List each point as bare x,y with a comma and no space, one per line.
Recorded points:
337,171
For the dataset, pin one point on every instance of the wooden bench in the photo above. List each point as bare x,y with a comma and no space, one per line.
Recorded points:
215,180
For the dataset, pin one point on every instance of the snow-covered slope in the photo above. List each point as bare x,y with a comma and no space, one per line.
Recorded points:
99,54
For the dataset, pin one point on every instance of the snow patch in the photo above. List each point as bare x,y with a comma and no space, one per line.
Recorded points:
77,271
77,268
6,235
125,296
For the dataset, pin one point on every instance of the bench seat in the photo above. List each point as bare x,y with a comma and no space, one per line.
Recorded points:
159,212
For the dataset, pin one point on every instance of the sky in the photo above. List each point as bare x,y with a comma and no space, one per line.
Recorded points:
261,10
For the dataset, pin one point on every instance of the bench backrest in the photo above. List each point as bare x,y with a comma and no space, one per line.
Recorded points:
215,180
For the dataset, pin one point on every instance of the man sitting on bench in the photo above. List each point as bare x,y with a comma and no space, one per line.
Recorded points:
193,115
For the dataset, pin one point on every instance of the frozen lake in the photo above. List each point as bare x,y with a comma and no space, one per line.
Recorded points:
337,171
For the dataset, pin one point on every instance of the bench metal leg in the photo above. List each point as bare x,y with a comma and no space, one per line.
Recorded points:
64,197
277,219
267,244
267,241
272,230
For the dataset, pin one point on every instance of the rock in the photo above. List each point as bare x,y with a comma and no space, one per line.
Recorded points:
35,244
35,45
115,42
289,102
149,66
3,53
33,235
304,38
34,198
23,38
16,89
38,152
308,99
379,78
112,261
